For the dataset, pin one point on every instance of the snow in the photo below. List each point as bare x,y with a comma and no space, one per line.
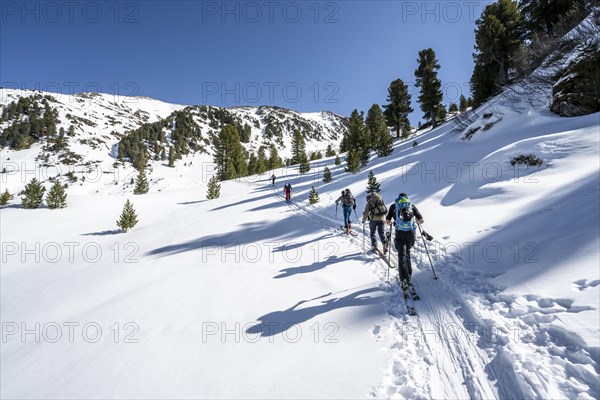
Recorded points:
246,296
249,297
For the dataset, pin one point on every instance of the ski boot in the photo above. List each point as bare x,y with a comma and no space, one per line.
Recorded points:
405,284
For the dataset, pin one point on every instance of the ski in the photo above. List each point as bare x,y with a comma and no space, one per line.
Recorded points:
350,232
413,293
410,308
383,256
408,299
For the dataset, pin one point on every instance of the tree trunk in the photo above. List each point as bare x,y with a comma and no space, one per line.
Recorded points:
501,72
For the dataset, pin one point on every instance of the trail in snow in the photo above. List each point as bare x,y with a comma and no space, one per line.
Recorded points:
432,349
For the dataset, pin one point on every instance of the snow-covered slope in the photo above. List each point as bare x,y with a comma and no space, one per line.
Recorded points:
98,114
100,121
249,297
246,296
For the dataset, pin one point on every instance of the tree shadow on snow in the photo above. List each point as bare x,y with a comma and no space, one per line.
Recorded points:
294,245
280,321
317,265
243,201
185,203
103,233
274,234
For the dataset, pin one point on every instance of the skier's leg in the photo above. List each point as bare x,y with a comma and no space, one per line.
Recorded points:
410,242
372,228
381,230
402,265
347,212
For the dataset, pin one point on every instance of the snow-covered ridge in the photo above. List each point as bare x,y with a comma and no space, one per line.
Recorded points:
108,117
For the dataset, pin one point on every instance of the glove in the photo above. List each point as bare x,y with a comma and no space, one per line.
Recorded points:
363,221
354,207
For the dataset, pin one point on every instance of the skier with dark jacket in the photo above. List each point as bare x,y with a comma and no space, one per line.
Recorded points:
273,177
406,216
348,204
374,212
288,192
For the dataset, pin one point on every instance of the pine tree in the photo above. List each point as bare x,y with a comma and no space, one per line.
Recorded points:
274,161
499,34
141,183
261,161
326,175
57,197
441,113
298,148
356,142
304,165
427,80
483,81
463,103
329,152
313,196
337,160
128,218
214,188
381,140
397,110
5,198
34,194
353,161
453,107
543,16
171,157
252,170
372,185
60,142
229,154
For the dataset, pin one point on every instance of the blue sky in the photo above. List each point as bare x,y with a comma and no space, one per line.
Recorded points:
304,55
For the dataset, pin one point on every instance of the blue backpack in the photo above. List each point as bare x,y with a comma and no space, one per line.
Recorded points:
405,218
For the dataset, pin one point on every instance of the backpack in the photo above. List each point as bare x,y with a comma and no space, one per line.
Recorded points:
377,207
405,219
348,199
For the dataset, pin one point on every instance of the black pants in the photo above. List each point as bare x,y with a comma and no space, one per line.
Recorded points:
376,227
404,241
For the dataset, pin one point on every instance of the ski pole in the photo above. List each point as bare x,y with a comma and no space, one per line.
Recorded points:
389,253
363,228
427,251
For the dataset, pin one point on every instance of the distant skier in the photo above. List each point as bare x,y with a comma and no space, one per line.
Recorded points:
273,179
375,211
406,216
288,192
348,204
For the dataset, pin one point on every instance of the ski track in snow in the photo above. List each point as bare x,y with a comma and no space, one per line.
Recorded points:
462,330
422,346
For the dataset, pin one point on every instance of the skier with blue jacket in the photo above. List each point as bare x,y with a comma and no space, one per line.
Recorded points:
348,204
406,217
